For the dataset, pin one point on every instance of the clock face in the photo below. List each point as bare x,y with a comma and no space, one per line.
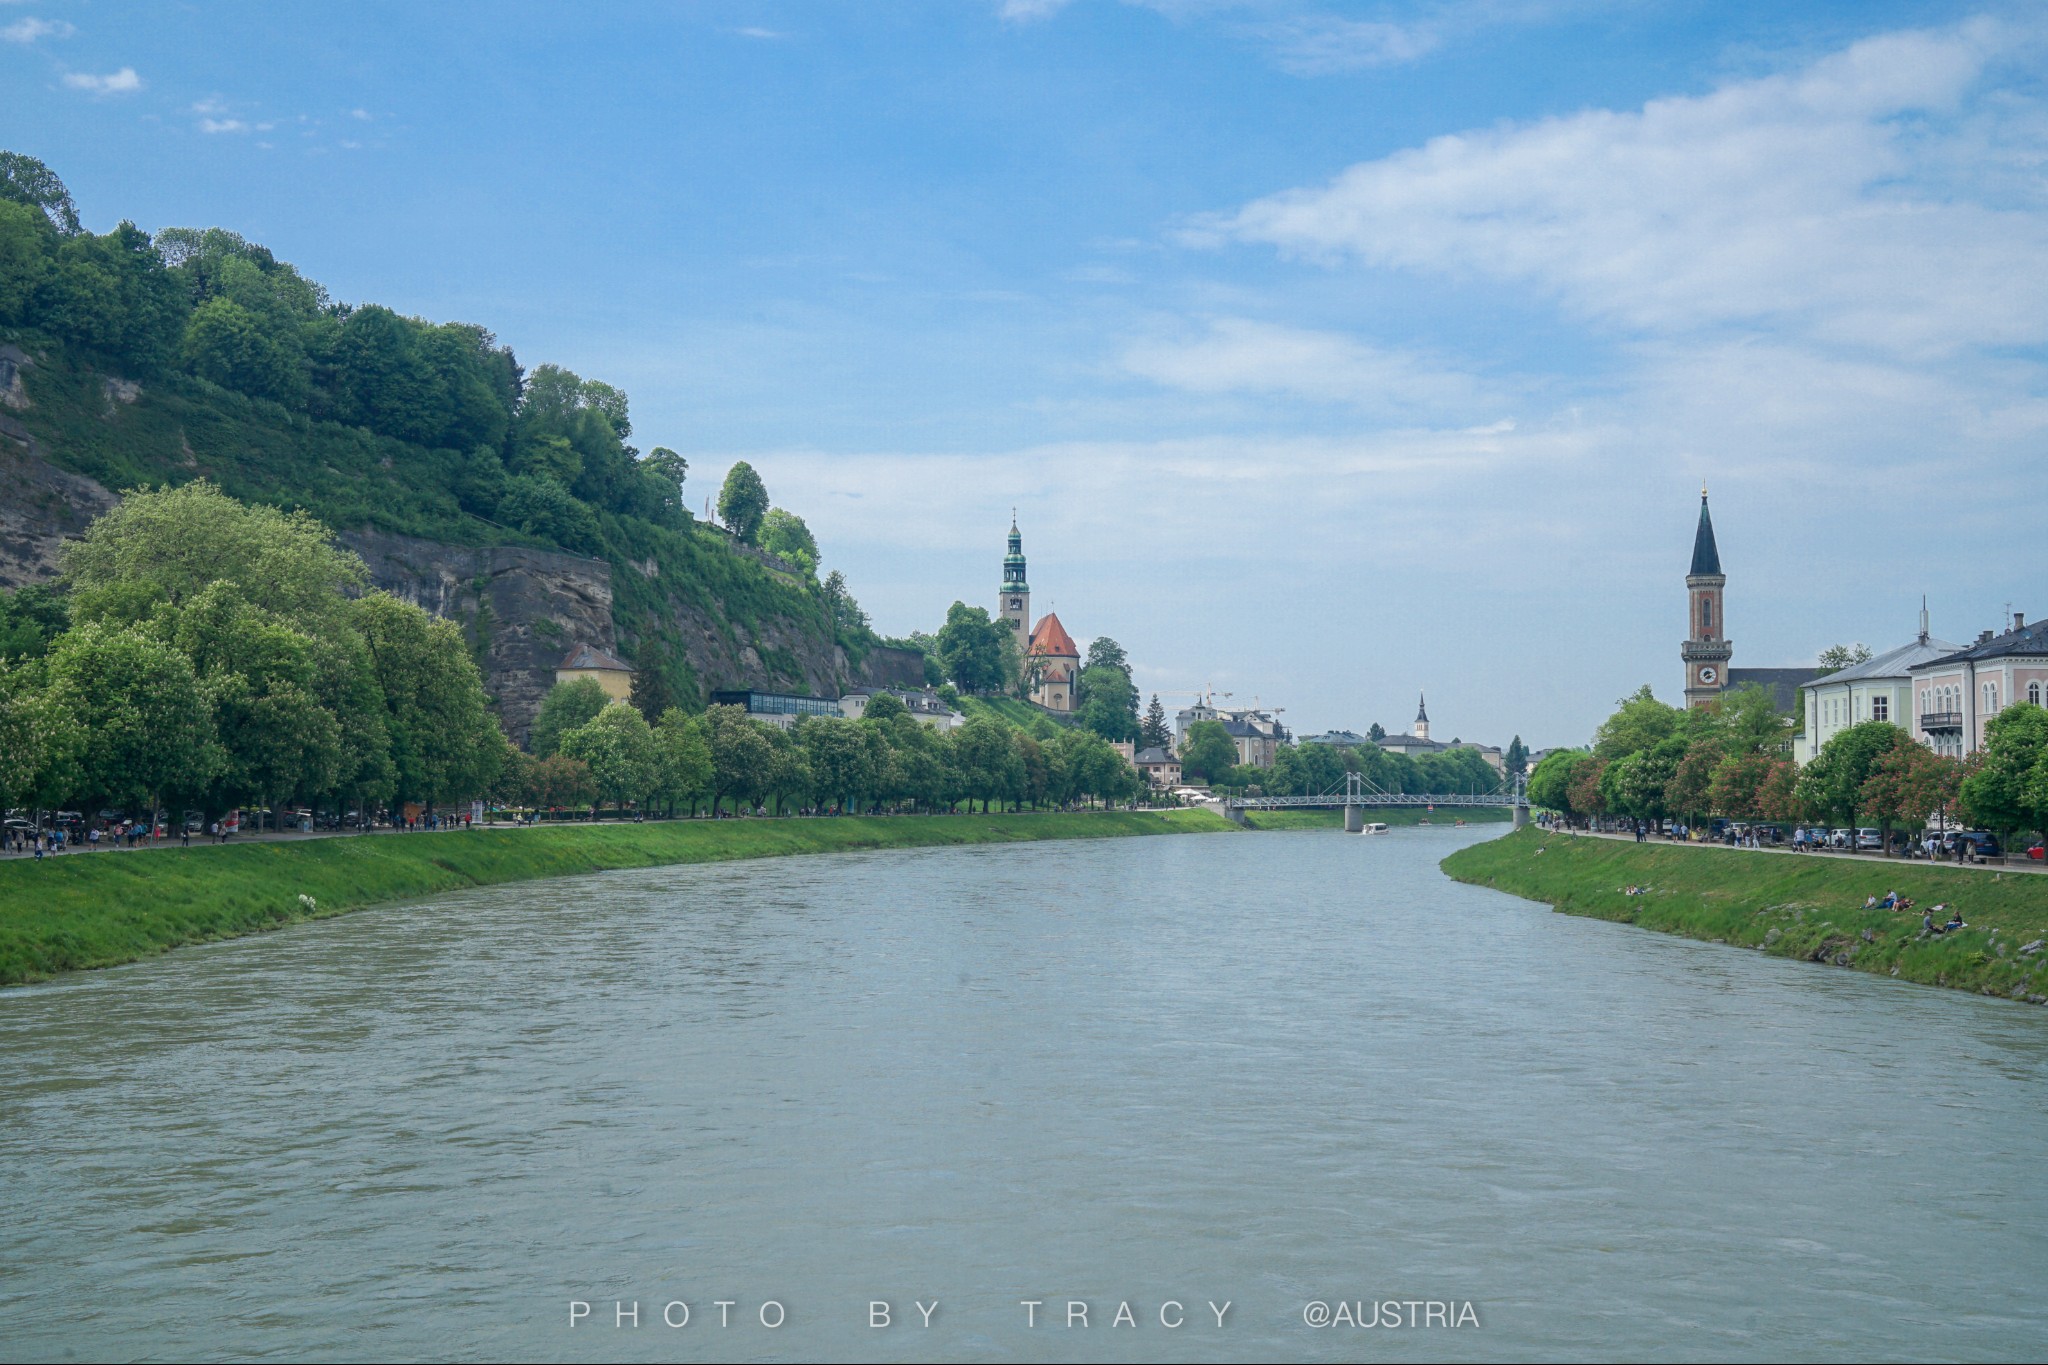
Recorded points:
1016,602
1709,674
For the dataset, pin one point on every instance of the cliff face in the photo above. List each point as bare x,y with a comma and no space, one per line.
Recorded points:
523,609
41,505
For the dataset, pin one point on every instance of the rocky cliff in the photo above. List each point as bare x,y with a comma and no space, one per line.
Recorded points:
522,608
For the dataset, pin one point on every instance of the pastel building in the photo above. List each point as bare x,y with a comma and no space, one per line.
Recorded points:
1955,695
588,661
1880,688
1053,664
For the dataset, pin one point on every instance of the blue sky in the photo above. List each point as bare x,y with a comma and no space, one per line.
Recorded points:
1329,352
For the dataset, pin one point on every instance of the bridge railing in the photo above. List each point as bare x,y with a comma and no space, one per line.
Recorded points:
1360,791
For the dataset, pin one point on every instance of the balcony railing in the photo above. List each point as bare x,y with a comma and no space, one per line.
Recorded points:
1941,720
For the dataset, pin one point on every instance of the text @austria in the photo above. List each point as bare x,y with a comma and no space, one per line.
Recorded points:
1172,1314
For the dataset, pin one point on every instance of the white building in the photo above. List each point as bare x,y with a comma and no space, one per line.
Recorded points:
927,706
1879,688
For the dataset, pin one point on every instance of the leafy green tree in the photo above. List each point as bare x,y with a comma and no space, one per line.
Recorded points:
970,648
1550,781
682,761
1832,784
165,545
25,180
842,765
1516,759
145,724
741,758
1639,722
784,535
40,742
743,502
444,744
1907,784
561,782
1207,751
30,618
1586,796
1689,791
2006,790
567,706
1742,785
668,472
1835,658
1376,732
1153,731
847,617
1110,705
618,747
990,768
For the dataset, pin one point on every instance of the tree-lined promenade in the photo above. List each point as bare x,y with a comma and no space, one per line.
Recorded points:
1651,762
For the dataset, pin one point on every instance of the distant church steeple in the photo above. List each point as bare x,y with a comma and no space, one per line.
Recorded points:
1015,603
1421,716
1706,650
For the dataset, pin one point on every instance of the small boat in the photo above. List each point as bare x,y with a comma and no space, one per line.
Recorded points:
1458,824
1376,827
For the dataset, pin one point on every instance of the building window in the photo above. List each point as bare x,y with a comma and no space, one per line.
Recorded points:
2034,693
1880,708
1990,697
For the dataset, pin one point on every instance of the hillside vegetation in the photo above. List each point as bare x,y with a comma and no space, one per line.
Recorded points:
165,358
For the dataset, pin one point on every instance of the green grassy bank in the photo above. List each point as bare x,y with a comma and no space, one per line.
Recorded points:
1792,906
1391,815
101,909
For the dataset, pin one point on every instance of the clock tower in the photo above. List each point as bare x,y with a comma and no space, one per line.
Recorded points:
1706,650
1015,603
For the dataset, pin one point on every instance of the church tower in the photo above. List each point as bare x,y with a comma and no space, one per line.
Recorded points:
1706,650
1421,716
1016,599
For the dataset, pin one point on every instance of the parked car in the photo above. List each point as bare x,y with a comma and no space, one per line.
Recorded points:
1984,843
2039,852
1840,838
1870,839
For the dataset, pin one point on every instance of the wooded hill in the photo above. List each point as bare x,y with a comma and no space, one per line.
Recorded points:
152,359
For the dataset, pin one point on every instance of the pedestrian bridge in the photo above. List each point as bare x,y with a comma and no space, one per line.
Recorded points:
1359,792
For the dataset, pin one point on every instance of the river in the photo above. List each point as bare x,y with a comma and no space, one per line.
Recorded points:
1266,1071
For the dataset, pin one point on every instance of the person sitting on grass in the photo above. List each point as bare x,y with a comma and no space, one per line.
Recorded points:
1955,922
1890,901
1870,902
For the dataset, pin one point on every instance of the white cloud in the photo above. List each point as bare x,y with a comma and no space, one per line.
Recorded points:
363,115
1237,355
28,30
1824,201
764,34
1024,11
222,125
122,82
1322,44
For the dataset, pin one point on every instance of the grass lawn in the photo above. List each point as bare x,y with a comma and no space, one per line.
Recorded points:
98,909
1803,907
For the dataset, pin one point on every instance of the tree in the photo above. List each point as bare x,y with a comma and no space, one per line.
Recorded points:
989,765
2007,789
559,781
1376,732
970,648
166,545
1109,705
40,742
682,761
842,765
1690,790
743,502
1832,784
1516,759
1835,658
30,618
566,706
1585,797
661,679
1153,731
1739,784
145,724
444,744
1907,784
741,758
847,617
1550,783
618,747
1639,722
1104,652
668,471
1207,750
784,535
25,180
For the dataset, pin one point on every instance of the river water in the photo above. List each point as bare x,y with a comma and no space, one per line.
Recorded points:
1264,1070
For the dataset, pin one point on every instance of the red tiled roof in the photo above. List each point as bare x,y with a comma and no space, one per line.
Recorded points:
1051,639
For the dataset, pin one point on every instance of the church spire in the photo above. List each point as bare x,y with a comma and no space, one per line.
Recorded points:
1706,557
1421,716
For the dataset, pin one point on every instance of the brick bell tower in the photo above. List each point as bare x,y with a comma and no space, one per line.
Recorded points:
1706,650
1014,605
